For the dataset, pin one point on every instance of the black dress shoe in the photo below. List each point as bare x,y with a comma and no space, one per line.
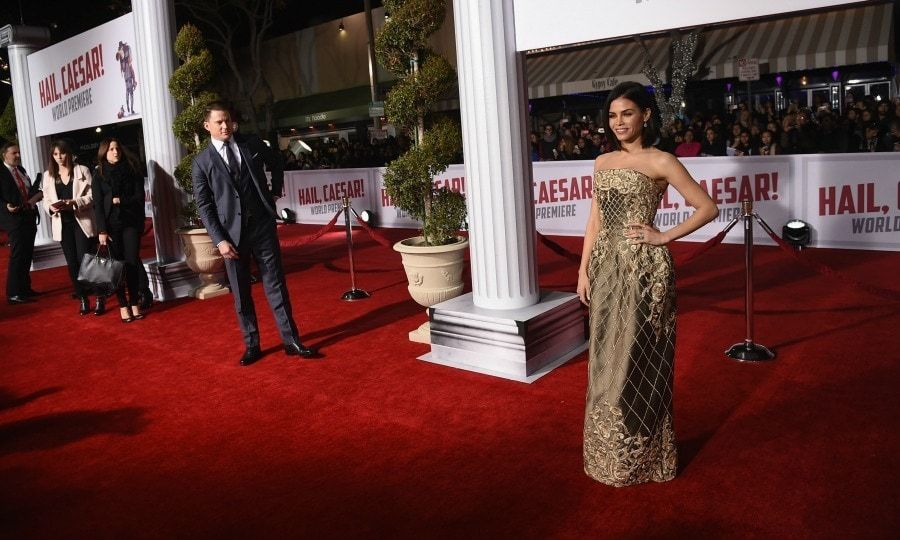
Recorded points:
251,356
85,306
18,299
298,349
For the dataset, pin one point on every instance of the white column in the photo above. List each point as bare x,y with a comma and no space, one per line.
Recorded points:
507,327
154,30
20,41
498,165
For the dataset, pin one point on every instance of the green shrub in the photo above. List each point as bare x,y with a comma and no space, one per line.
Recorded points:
189,85
424,78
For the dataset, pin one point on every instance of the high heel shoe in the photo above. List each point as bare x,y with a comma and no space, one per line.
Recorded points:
125,314
100,307
85,306
136,313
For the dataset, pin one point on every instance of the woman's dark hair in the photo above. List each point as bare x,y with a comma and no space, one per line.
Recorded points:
53,167
126,157
641,97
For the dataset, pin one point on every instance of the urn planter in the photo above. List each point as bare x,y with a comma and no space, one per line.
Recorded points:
204,258
434,274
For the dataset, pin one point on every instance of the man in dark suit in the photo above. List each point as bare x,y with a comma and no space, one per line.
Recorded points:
18,215
238,211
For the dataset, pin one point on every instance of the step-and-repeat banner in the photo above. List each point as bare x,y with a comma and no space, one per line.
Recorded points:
849,200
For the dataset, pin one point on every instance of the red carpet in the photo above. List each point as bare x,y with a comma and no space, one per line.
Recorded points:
152,430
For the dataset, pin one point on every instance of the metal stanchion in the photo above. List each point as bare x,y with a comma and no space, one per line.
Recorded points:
747,350
353,293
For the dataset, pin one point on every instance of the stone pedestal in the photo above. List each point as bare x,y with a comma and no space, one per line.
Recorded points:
172,280
48,255
519,344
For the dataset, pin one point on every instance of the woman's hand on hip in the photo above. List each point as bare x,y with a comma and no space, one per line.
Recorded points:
641,233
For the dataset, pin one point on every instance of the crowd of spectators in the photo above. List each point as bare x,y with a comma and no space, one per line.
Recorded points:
865,126
337,153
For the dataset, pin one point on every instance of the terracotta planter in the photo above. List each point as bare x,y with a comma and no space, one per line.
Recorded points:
434,274
204,258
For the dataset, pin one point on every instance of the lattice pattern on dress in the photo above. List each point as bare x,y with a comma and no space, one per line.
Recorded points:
628,416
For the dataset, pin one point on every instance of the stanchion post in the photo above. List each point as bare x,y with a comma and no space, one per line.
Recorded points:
748,351
353,293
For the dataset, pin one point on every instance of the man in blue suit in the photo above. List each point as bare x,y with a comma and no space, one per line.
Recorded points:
238,211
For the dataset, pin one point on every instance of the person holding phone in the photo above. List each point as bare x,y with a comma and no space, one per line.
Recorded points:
69,201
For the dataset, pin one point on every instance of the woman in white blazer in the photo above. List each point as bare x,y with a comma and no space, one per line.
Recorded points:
69,201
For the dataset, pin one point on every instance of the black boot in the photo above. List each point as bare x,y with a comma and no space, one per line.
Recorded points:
85,305
100,307
146,299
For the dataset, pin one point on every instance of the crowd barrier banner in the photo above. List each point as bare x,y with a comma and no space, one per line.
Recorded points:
389,215
562,196
316,195
853,201
765,180
850,200
563,191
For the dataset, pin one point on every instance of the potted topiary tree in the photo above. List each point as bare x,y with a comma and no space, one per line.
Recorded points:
434,260
189,86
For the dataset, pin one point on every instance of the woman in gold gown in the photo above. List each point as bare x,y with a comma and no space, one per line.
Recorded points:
626,278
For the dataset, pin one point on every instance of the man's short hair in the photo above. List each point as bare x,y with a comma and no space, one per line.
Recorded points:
217,106
6,146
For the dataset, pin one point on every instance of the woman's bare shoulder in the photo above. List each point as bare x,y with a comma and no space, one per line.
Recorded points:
602,161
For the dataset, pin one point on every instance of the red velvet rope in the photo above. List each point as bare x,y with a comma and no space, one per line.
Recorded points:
377,236
823,269
314,236
696,252
702,248
558,249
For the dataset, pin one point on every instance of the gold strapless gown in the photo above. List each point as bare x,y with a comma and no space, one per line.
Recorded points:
628,433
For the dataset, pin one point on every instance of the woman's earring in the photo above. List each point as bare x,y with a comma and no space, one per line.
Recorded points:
645,124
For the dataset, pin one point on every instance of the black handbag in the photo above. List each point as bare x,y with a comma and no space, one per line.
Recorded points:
100,275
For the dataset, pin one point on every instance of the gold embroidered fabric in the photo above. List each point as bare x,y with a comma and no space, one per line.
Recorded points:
628,433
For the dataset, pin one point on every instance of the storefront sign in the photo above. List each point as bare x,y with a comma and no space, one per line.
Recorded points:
748,69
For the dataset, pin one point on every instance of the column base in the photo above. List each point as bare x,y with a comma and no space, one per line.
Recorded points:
519,344
171,280
48,256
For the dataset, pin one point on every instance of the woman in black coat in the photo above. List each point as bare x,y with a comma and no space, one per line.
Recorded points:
119,216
